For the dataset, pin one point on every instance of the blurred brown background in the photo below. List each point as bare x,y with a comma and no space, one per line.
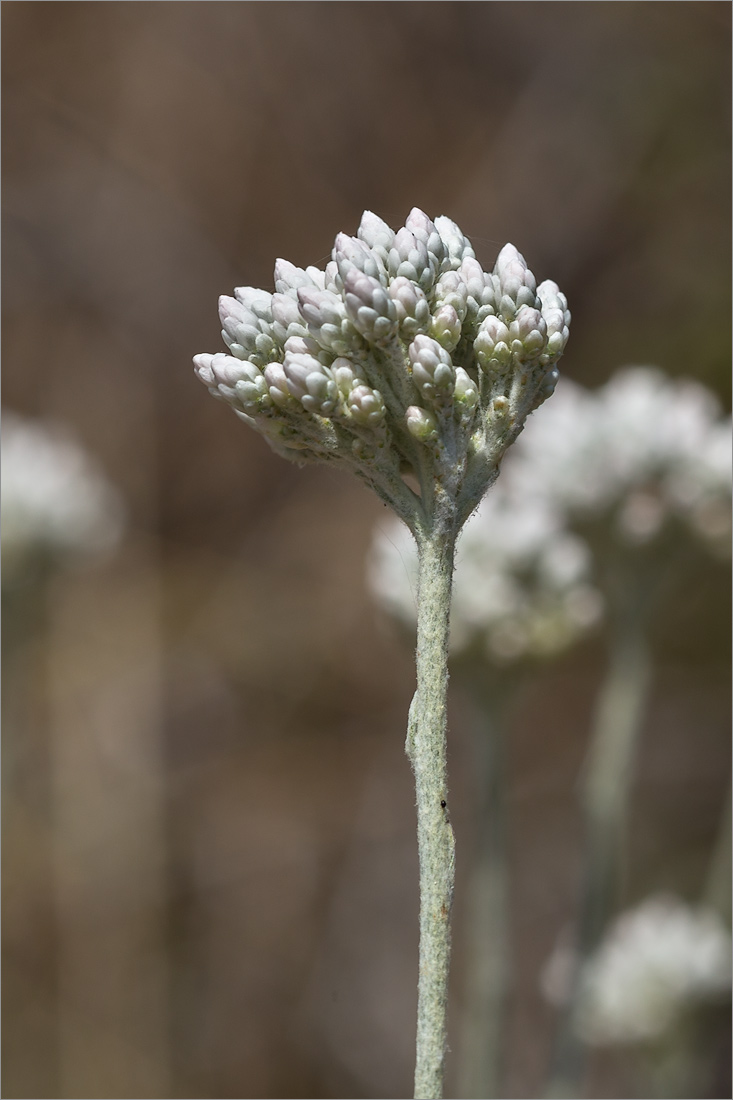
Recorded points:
209,855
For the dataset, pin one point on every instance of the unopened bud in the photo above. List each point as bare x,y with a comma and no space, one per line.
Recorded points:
311,383
421,424
446,327
432,370
491,345
369,306
411,305
366,406
466,390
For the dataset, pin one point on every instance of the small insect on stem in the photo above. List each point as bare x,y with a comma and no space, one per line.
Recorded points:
443,803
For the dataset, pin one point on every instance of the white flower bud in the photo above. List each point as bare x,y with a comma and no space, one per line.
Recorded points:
234,380
466,391
344,375
369,306
202,368
311,382
349,253
556,314
277,384
457,247
306,345
424,230
287,320
446,327
528,332
375,234
451,290
516,281
432,370
421,424
491,345
366,406
413,310
481,297
247,326
325,314
409,257
289,278
258,302
232,373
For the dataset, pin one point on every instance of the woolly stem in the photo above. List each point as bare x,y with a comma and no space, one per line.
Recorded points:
426,748
488,968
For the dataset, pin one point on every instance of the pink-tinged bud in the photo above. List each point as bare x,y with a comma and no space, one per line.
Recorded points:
423,229
513,274
350,253
491,345
289,278
277,384
432,370
366,406
311,382
369,306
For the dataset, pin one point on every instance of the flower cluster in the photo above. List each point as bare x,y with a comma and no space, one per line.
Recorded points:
54,498
635,453
639,451
655,961
402,356
521,588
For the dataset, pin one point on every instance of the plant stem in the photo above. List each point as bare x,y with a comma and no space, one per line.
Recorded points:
426,748
487,970
606,784
716,891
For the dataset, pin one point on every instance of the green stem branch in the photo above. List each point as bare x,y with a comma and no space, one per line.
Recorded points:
426,748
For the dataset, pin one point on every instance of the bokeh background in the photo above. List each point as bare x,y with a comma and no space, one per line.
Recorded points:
210,871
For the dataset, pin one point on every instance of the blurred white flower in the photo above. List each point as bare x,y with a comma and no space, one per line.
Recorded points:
641,448
54,497
655,961
521,584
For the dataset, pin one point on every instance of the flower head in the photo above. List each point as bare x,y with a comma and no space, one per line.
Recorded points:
402,355
54,497
655,961
640,451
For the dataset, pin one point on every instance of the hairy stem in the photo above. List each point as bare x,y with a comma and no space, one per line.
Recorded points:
487,972
605,792
426,748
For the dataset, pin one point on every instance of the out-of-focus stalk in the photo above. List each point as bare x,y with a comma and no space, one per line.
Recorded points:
605,783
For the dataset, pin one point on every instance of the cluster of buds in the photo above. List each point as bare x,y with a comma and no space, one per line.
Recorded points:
599,472
402,357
